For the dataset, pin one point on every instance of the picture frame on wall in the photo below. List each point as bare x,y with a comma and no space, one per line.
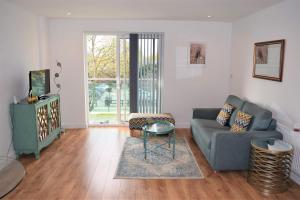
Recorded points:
197,54
268,60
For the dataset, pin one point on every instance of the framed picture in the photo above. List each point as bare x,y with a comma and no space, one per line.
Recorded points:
197,54
268,60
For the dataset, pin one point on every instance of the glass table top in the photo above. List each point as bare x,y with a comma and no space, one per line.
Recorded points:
271,144
159,127
11,173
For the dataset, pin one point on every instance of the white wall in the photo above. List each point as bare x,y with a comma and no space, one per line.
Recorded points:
278,22
43,39
18,54
208,88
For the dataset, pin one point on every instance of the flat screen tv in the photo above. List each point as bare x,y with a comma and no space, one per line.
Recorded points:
39,82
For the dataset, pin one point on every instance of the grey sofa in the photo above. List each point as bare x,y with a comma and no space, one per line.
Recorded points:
223,149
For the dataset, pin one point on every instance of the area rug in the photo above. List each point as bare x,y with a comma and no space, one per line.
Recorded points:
159,163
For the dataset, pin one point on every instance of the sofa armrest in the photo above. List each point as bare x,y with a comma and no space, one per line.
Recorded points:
205,113
231,151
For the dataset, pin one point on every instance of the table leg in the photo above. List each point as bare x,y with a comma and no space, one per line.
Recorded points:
145,145
174,141
169,139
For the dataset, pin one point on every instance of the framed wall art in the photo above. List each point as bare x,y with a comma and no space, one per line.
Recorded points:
269,60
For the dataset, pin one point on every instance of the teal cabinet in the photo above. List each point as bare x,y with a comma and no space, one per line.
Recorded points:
36,125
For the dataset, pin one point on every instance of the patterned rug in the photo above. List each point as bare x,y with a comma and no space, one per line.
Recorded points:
159,163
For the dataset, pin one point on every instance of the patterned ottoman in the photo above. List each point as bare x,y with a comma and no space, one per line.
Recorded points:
138,120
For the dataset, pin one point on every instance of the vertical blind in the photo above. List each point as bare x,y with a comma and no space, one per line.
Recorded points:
149,72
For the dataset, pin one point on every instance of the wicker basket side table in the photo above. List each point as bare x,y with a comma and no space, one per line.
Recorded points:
270,165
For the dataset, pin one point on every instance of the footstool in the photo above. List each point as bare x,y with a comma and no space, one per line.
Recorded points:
138,120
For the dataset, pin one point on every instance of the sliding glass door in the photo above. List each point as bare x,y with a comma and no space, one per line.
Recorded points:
107,59
110,60
124,91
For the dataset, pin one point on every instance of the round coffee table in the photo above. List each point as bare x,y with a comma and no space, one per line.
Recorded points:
159,128
270,165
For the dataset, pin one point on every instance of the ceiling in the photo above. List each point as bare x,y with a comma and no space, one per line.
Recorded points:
220,10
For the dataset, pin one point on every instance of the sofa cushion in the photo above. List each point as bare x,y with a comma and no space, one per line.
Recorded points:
273,124
261,118
204,129
225,114
237,103
241,122
207,123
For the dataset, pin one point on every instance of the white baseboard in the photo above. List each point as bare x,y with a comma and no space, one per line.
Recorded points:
182,124
12,154
295,177
71,126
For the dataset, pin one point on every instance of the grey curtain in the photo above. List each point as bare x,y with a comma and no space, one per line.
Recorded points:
133,72
146,56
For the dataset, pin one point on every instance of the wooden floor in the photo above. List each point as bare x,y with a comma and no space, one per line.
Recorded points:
81,165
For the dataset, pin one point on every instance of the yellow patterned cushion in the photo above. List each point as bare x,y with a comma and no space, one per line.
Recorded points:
241,122
225,113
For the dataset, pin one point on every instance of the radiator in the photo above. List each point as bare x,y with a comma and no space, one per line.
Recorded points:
293,138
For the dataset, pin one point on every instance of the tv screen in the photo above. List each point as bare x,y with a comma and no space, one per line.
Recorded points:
39,82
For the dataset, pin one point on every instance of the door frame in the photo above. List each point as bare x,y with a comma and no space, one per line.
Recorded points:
86,81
